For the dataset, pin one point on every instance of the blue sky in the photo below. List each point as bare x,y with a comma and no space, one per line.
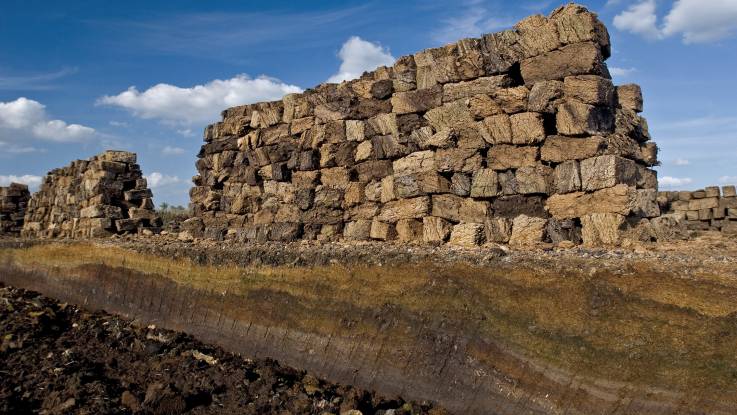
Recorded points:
78,77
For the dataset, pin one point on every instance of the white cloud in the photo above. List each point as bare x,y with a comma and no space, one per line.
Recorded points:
474,20
58,130
21,113
200,103
358,56
728,179
118,123
621,72
697,21
32,181
700,21
681,162
172,151
157,179
30,116
640,19
672,182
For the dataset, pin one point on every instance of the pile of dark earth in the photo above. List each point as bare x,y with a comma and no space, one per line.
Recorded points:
58,359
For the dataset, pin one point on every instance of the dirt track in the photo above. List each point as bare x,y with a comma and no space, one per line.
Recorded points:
57,358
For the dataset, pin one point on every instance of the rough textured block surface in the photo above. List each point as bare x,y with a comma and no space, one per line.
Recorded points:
629,97
467,234
527,230
607,171
575,59
578,119
601,229
617,199
435,229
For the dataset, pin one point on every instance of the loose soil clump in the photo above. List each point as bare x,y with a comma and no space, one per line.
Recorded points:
58,358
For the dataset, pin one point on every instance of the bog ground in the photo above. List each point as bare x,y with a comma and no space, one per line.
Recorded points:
649,330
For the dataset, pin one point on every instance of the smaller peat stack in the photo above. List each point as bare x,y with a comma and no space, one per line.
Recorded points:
13,203
104,195
703,210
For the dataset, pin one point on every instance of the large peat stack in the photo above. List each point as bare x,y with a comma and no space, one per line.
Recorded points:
104,195
13,203
518,136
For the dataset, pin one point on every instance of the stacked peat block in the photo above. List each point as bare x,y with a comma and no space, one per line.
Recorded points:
13,203
702,210
104,195
518,136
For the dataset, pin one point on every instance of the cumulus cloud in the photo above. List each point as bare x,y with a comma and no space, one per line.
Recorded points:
172,151
358,56
672,182
32,181
28,116
701,20
696,21
21,113
57,130
640,19
156,179
200,103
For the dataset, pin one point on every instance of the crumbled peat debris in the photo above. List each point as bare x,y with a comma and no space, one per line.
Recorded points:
58,358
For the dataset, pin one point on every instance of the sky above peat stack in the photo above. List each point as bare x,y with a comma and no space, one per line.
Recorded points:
78,77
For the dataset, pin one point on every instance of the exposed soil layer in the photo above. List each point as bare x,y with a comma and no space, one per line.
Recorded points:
58,358
705,247
644,329
294,254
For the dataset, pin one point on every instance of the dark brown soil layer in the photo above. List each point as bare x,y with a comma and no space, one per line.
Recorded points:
58,358
648,329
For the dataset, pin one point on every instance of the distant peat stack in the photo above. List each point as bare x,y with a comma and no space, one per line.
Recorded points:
13,203
708,209
104,195
514,137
